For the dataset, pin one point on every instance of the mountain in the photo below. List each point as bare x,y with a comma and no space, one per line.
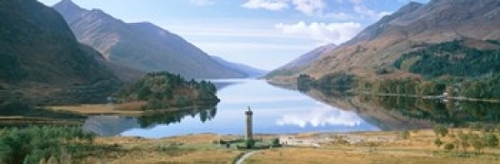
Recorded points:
299,63
247,70
372,53
142,46
41,60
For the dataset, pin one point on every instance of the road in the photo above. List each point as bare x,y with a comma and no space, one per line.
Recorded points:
242,159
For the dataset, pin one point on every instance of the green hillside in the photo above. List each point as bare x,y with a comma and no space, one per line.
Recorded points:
163,90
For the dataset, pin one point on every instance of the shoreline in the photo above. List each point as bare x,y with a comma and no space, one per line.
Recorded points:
126,109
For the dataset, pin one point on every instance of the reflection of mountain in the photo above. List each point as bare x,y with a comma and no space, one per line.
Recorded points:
167,118
222,85
373,113
115,125
450,112
109,125
321,117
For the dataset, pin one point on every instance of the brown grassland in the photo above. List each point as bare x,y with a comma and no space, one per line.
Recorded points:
124,109
418,148
198,148
185,149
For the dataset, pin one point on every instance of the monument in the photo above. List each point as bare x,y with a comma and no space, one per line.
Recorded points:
248,133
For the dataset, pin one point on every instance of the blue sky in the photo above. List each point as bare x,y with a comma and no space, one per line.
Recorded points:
262,33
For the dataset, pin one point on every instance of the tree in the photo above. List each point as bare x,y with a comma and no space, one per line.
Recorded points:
276,142
491,140
449,146
440,130
438,142
477,144
464,140
405,135
249,143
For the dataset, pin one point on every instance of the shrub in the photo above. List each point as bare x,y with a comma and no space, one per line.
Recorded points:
249,143
440,130
491,140
438,142
449,146
405,135
276,142
32,144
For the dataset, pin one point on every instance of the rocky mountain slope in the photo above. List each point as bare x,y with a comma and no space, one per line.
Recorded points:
142,46
372,53
41,59
301,62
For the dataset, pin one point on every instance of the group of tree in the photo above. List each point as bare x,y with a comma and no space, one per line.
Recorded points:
477,138
329,84
40,144
450,58
163,90
403,86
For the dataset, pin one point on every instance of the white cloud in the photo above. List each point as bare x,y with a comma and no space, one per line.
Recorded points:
309,7
326,33
338,16
356,2
202,2
266,4
365,11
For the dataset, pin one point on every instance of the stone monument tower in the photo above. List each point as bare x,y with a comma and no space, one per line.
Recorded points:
249,114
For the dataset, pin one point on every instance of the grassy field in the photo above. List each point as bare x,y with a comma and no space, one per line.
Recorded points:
185,149
129,109
125,109
418,148
17,120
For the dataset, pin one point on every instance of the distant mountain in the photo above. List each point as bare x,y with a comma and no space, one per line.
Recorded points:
142,46
301,62
40,58
372,53
247,70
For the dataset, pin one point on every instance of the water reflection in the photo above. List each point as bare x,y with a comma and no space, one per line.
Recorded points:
373,113
457,113
115,125
276,111
321,117
109,125
167,118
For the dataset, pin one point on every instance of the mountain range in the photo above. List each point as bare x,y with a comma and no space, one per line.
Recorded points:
247,70
142,46
40,57
474,24
301,62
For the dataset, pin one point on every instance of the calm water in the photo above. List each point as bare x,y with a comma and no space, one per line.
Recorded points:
276,111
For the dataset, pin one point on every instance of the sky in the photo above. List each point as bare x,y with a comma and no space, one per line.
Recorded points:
265,34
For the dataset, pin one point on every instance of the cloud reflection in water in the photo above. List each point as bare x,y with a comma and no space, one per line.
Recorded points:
322,116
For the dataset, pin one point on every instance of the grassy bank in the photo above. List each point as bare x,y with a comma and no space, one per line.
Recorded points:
125,109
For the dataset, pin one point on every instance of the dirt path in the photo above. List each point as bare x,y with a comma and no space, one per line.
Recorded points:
242,158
